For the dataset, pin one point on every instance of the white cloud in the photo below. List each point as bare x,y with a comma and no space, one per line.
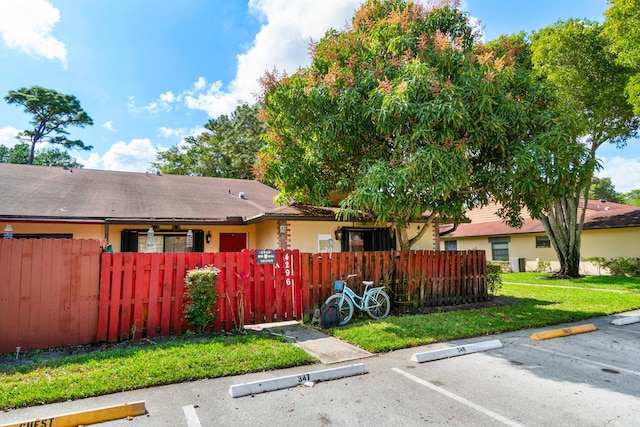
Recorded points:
135,156
27,25
8,136
167,97
166,132
181,133
624,173
282,43
164,103
109,126
200,84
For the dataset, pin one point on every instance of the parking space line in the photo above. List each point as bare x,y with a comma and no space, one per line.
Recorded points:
192,417
587,361
624,330
459,399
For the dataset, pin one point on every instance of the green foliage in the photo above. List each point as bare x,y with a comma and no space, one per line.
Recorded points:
574,60
544,265
603,189
19,154
622,32
227,149
619,266
403,113
494,278
52,113
631,198
200,291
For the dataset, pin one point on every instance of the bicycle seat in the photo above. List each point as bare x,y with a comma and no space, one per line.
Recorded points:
367,282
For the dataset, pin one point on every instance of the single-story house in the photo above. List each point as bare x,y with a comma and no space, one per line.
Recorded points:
611,230
152,212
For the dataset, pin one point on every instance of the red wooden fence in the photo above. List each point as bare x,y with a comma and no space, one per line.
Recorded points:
417,278
62,292
142,293
48,293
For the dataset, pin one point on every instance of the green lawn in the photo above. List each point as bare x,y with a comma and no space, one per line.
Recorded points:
549,302
132,368
539,302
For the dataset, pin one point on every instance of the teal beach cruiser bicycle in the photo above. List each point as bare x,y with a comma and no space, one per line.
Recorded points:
374,301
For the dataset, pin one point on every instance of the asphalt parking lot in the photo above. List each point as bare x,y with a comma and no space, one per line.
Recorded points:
589,379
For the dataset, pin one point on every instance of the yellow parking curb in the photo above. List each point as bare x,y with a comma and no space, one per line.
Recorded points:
563,332
86,417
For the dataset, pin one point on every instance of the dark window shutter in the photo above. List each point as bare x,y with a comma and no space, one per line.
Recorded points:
129,241
198,241
382,240
344,243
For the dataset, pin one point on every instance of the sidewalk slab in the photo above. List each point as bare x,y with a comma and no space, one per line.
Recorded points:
318,344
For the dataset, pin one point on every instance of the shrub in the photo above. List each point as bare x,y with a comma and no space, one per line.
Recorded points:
623,266
200,292
494,278
619,266
544,265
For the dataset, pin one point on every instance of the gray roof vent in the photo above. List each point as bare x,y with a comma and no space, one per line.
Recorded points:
241,194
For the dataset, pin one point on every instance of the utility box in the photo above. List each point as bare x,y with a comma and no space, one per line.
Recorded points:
518,265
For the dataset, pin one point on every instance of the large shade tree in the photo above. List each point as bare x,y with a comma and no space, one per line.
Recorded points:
406,118
228,148
52,113
573,57
622,31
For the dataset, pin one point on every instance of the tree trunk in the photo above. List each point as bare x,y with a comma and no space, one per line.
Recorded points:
32,153
405,242
564,231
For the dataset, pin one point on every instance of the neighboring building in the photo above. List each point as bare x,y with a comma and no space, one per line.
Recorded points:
173,213
610,230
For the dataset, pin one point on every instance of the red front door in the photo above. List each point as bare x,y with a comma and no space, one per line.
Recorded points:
233,242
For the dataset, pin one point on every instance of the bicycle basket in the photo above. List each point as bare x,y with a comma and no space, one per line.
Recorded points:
338,285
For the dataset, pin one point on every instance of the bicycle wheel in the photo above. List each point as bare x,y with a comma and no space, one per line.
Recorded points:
346,307
378,304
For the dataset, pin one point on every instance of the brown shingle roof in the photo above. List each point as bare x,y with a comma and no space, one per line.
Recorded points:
85,194
600,214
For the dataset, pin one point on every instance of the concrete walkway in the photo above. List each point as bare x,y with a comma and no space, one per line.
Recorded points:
318,344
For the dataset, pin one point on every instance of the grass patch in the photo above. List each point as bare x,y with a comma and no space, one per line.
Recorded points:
592,282
536,306
132,368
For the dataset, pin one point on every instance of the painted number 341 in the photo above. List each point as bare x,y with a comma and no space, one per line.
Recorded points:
303,378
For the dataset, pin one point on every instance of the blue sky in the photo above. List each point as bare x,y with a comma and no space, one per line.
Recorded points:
152,72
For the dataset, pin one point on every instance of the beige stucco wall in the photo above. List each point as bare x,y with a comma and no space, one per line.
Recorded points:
426,243
77,230
266,235
607,243
302,235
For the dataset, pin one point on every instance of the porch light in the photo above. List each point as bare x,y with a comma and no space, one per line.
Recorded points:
8,232
338,233
189,239
208,237
150,240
